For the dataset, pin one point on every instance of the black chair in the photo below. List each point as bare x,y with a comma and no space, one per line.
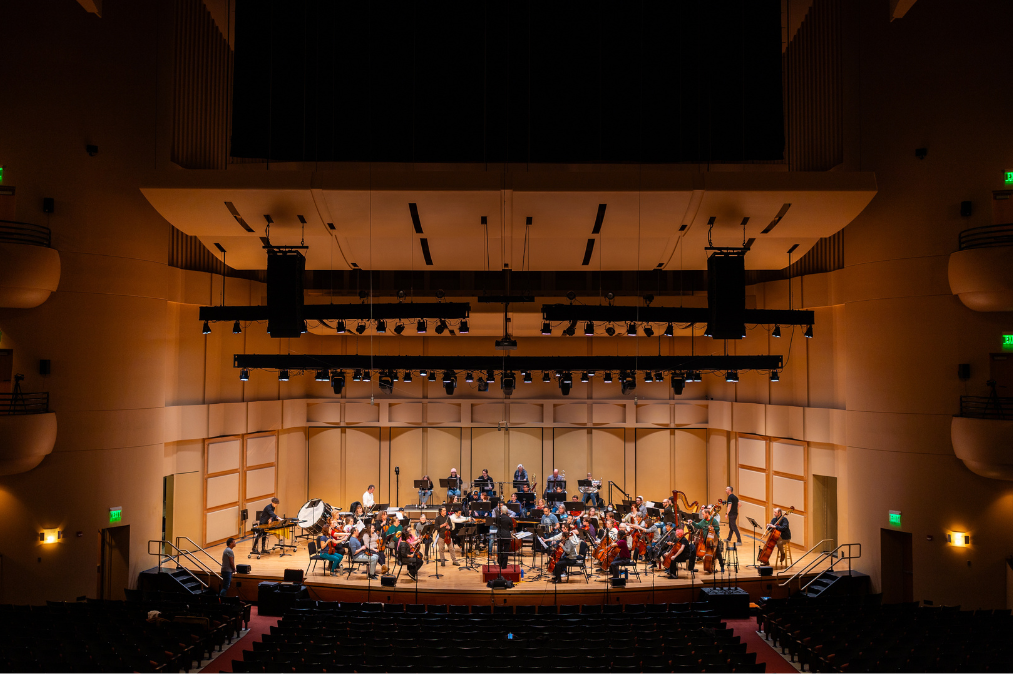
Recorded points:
314,551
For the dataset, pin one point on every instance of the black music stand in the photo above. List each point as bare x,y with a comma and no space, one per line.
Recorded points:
526,499
518,484
467,533
422,485
445,485
756,526
428,530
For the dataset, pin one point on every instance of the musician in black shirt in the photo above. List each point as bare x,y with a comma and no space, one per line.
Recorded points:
684,552
505,526
485,483
733,514
267,516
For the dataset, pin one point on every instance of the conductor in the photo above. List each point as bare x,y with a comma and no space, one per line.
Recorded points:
505,527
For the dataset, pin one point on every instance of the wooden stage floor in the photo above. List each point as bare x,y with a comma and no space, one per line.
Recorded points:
463,586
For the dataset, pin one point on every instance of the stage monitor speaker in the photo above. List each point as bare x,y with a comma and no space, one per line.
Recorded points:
293,576
243,569
765,570
388,580
726,296
285,293
618,582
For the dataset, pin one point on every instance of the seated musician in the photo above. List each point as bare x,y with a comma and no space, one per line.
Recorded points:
668,510
623,556
419,527
571,552
382,522
706,521
410,551
641,506
633,515
359,513
560,510
394,533
485,482
453,491
780,523
590,496
360,553
443,525
426,491
331,552
549,521
267,516
683,553
516,506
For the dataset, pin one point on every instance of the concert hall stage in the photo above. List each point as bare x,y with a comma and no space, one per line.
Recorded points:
458,586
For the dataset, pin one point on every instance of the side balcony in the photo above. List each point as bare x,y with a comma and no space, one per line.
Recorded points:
981,273
27,431
29,267
982,435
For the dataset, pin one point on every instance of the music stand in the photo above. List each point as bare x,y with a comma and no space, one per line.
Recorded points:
445,485
654,513
454,508
518,484
428,531
422,485
526,499
555,497
573,507
468,532
756,526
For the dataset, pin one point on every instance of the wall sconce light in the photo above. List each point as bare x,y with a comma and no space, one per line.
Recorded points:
50,536
958,539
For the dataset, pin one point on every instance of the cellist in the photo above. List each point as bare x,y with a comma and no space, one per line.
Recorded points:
683,553
571,550
780,523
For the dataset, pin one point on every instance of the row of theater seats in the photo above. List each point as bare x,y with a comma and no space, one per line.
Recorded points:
702,609
860,635
419,638
97,636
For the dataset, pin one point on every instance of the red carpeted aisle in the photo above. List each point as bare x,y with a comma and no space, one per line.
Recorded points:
746,629
258,626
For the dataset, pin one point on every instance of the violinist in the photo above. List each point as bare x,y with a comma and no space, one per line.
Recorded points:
633,516
410,552
372,540
444,530
683,553
382,522
331,552
623,555
419,528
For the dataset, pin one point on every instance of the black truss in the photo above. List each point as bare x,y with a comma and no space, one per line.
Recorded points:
406,311
626,314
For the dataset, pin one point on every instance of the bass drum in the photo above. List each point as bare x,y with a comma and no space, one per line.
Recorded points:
314,516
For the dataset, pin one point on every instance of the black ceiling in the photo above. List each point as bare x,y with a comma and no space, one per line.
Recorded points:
567,82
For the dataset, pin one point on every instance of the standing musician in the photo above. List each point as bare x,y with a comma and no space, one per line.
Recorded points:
683,553
426,491
367,497
668,510
445,528
520,475
505,526
554,479
419,526
733,514
571,551
780,523
454,491
702,526
267,516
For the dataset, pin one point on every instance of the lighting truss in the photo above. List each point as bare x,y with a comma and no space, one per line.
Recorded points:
666,315
396,311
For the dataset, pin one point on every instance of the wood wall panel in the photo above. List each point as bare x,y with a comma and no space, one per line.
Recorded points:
788,458
608,458
224,455
324,466
654,464
405,453
362,463
569,452
691,463
525,447
443,451
753,452
222,490
488,451
753,484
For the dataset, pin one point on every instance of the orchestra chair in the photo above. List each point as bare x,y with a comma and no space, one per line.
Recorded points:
631,564
580,564
784,554
311,547
352,564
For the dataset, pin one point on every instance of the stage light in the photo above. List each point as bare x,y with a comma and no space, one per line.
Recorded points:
304,328
774,376
583,376
589,328
732,376
236,328
463,328
669,330
490,376
207,328
648,377
423,372
809,332
631,329
469,378
393,375
527,376
283,376
386,383
441,327
381,326
483,385
659,376
420,327
678,384
628,381
546,328
399,328
339,327
432,376
698,376
367,376
610,331
338,383
361,328
357,375
407,379
565,383
508,382
546,377
648,330
449,382
571,329
607,378
244,375
322,376
777,332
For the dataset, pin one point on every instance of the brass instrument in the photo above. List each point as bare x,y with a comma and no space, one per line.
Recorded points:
595,487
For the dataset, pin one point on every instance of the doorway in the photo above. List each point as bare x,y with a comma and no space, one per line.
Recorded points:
896,566
114,563
6,370
168,500
824,515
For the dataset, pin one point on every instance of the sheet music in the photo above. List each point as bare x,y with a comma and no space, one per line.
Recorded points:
523,534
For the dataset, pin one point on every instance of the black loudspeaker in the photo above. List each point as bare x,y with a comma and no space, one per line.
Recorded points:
765,570
966,209
294,576
244,514
964,371
388,580
44,366
285,293
726,296
243,569
618,582
48,205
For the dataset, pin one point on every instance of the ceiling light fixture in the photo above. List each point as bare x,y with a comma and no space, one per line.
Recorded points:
610,331
207,328
583,376
339,327
774,376
356,375
463,328
678,384
236,328
589,328
432,376
420,327
565,383
441,327
338,383
367,376
407,377
777,331
546,377
381,326
648,330
669,330
628,381
469,378
546,328
399,328
648,377
732,376
809,332
631,329
322,376
283,376
607,379
527,376
244,375
361,328
449,382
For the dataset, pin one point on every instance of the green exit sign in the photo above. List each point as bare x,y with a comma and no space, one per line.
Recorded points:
1007,341
1009,177
115,514
895,518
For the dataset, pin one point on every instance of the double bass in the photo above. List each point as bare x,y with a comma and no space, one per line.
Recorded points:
772,538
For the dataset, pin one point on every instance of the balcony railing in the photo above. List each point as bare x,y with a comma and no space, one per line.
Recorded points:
24,404
15,232
987,236
987,407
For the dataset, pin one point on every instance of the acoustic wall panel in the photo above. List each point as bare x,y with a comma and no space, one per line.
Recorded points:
222,490
260,482
221,524
443,451
569,452
323,466
691,463
749,510
261,450
525,447
488,451
788,458
362,462
406,454
654,464
789,493
259,504
753,452
608,457
223,455
752,484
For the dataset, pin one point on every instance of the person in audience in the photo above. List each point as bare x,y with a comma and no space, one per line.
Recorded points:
360,553
228,566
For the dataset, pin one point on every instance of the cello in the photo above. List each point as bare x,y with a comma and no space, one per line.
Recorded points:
775,535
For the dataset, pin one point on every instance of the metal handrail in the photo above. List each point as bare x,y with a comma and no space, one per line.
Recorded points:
199,548
839,558
20,403
986,407
802,557
821,558
175,558
986,236
16,232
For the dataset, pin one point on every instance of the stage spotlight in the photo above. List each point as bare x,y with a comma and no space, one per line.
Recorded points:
469,378
420,327
381,326
732,376
628,381
669,330
304,328
423,372
565,383
659,376
589,328
777,331
527,376
386,383
546,328
440,327
610,331
678,384
244,375
283,376
697,376
508,382
482,384
236,328
571,329
338,383
449,382
399,328
809,332
546,377
774,377
407,377
357,375
648,330
432,376
207,328
367,376
584,377
463,328
340,327
648,377
490,376
322,376
631,329
393,375
361,328
607,378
